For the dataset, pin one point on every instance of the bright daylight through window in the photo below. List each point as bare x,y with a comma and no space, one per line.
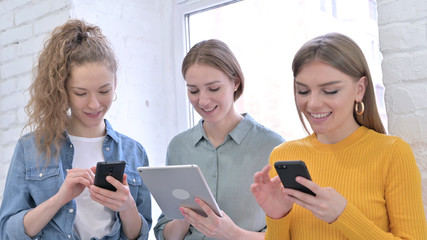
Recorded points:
265,34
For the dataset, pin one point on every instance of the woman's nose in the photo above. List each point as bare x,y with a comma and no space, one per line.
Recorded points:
93,102
314,101
204,98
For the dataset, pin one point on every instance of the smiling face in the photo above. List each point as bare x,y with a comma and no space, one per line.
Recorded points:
326,98
90,90
210,92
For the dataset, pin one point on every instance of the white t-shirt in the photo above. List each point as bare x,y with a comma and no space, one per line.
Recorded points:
92,218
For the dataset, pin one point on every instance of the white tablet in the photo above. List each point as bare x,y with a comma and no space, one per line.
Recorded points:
178,185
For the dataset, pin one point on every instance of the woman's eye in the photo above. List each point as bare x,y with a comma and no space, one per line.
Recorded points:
300,92
331,92
214,89
80,94
104,92
193,91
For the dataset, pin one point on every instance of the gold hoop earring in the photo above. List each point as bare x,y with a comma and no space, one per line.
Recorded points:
115,96
357,110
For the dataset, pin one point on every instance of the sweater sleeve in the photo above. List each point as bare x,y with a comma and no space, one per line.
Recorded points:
403,197
278,229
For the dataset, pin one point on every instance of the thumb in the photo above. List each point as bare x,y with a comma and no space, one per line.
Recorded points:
125,179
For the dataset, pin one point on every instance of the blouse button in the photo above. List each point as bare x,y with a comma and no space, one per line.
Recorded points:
71,210
71,146
134,180
107,149
69,236
41,175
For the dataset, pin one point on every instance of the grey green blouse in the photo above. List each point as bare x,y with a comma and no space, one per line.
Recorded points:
228,169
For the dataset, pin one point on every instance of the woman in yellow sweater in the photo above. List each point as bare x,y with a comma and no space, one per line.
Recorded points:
367,184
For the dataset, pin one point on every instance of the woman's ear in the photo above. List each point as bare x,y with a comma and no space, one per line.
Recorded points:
236,84
361,88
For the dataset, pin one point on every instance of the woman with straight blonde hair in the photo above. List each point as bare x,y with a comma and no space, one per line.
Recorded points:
50,191
366,184
229,148
340,52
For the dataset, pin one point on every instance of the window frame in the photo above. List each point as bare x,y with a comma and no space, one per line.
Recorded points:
181,12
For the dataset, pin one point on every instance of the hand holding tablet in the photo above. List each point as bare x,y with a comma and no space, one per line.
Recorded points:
178,186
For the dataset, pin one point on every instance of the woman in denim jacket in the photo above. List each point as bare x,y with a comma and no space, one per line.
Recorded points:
49,192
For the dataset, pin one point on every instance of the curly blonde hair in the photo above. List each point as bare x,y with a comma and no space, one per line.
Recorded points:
73,44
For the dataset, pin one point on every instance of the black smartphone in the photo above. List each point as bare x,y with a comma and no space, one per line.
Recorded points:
104,169
289,170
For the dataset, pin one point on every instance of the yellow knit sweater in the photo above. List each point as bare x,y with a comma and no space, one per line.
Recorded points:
378,176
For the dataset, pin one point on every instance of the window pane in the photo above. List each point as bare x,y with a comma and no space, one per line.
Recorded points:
265,34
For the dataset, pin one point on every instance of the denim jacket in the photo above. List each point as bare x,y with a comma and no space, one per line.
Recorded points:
29,183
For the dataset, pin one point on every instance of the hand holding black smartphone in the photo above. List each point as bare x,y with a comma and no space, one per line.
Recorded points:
104,169
289,170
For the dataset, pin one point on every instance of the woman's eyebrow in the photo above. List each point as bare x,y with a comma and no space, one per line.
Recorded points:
321,85
81,88
330,83
207,84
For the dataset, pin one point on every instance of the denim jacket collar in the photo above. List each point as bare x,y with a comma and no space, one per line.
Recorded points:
110,131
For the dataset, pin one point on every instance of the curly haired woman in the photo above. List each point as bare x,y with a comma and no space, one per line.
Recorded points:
49,192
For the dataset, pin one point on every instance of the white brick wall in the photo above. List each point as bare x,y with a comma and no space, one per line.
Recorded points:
403,41
141,34
19,46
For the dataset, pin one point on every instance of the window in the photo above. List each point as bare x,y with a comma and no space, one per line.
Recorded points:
264,35
329,6
373,9
334,8
323,5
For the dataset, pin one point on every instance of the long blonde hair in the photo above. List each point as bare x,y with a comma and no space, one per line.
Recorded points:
73,44
342,53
